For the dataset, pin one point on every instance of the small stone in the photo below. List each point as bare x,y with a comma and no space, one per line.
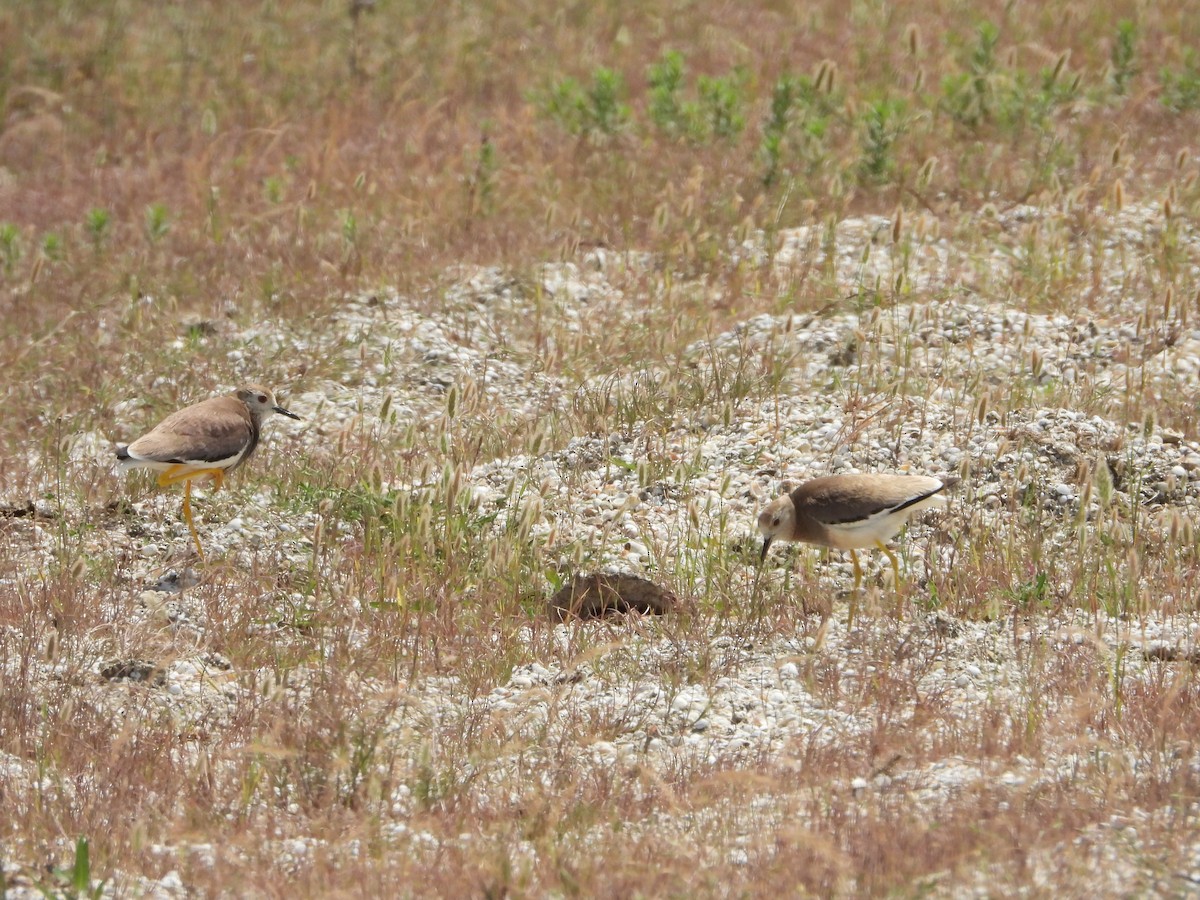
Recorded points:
171,883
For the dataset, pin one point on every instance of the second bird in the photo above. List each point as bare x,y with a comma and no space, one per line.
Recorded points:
849,512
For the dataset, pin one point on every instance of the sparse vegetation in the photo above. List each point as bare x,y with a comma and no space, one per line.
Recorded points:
1181,86
1124,56
594,111
559,288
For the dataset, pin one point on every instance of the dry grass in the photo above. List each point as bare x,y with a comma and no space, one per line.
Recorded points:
165,169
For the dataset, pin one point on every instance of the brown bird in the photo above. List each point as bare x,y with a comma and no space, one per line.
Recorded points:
849,512
204,440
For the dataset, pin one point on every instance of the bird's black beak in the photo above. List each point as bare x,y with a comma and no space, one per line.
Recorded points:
766,544
284,412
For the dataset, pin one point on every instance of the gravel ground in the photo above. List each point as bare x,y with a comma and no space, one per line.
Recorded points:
606,502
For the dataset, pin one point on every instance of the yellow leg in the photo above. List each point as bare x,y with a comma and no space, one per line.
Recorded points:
176,474
895,578
187,515
854,596
187,475
172,475
892,559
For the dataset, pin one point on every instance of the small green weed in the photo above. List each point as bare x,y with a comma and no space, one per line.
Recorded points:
96,221
1124,52
597,111
1181,88
882,125
10,245
801,112
75,882
666,80
158,222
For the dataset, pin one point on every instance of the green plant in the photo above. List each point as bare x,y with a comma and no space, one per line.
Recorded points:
721,104
1181,88
1032,595
968,94
349,227
10,246
783,98
596,111
800,115
273,189
665,79
882,124
52,246
76,882
717,111
988,93
97,221
481,183
158,222
1123,68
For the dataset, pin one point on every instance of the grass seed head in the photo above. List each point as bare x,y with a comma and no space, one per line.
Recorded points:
912,38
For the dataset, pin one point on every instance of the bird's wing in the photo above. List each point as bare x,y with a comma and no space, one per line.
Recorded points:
210,431
847,502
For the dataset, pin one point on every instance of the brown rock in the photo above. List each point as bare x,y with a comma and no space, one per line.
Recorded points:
595,596
137,670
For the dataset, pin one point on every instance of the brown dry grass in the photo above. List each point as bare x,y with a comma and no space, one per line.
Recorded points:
300,153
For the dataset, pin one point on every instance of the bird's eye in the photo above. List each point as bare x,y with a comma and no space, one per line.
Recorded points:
262,398
775,522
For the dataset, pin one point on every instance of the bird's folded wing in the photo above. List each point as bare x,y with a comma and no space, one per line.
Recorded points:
195,434
848,505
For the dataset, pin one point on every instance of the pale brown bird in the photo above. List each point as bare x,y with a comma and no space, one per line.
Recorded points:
849,512
204,440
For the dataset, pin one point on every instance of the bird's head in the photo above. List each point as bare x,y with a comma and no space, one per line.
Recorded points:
777,520
261,402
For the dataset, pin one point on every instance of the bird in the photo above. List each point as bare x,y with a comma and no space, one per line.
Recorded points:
204,440
849,512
